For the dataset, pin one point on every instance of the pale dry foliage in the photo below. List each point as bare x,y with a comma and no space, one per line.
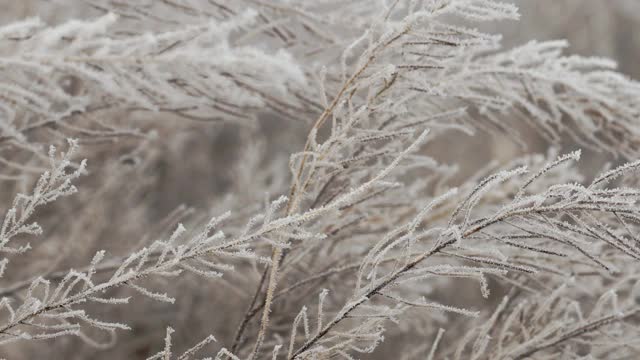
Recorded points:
318,225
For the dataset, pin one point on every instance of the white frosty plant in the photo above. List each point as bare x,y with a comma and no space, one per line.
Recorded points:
358,241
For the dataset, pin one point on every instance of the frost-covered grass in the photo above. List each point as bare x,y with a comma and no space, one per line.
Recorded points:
318,224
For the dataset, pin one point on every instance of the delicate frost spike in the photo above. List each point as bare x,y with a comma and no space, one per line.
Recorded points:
197,347
610,175
436,306
302,316
467,205
366,186
178,232
156,296
167,344
435,202
321,298
575,156
167,353
274,207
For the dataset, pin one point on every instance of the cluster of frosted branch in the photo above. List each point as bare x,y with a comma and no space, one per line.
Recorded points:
556,95
555,326
371,229
509,241
55,74
45,302
53,184
457,66
50,309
